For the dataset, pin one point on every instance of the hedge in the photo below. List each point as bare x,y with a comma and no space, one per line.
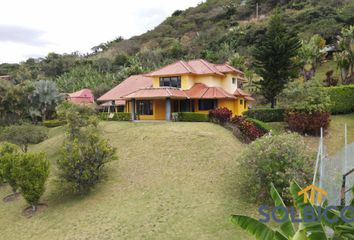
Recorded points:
53,123
266,114
190,117
118,116
342,98
259,124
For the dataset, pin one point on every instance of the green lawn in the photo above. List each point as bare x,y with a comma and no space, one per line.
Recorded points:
172,181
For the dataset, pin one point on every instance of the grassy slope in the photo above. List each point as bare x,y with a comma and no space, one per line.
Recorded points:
334,139
172,181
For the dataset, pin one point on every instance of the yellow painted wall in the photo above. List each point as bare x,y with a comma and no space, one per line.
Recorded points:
188,81
230,104
159,111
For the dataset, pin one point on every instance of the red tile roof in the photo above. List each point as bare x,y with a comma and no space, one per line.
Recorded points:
155,93
201,91
82,96
241,93
196,67
126,87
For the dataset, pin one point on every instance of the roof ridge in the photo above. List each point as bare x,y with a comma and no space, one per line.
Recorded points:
207,64
187,66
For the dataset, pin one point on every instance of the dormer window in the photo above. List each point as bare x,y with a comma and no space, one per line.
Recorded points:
170,82
234,80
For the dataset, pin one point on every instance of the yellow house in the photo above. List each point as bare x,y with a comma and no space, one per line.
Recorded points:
193,86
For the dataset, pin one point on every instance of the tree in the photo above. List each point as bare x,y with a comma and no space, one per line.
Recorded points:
82,159
9,157
25,134
69,113
345,58
32,173
311,55
44,97
274,58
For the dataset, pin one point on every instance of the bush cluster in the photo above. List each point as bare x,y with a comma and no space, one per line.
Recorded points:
118,116
307,122
190,117
220,115
27,172
342,98
266,114
248,128
53,123
274,159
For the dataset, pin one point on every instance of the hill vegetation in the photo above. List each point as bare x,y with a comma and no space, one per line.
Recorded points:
217,30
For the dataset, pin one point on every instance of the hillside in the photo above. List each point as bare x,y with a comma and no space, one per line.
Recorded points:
171,181
214,30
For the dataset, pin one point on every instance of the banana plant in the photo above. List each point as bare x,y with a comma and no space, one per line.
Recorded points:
287,231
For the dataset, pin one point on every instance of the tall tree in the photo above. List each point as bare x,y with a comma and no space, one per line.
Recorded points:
274,58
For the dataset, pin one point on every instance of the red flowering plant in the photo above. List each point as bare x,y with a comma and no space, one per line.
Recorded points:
220,115
248,128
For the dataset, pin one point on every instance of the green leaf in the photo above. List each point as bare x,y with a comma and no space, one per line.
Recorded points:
259,230
314,230
287,228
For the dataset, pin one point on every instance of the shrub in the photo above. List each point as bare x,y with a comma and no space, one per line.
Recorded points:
190,117
82,159
266,114
248,128
342,98
33,171
260,125
118,116
76,117
308,123
220,115
53,123
23,135
9,157
274,159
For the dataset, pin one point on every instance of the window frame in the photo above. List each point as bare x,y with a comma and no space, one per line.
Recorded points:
202,107
148,109
173,81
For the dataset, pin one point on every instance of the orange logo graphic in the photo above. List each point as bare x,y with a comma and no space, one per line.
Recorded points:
312,189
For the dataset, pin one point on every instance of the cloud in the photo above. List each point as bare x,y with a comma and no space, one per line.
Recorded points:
23,35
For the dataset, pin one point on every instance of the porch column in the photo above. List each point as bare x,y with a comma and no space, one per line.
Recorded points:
133,110
168,109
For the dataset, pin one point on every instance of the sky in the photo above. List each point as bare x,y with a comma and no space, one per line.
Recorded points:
36,27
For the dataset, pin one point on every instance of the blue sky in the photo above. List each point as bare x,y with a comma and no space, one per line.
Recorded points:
34,28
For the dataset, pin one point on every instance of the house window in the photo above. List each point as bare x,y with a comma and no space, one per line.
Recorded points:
144,107
170,82
206,104
241,102
233,80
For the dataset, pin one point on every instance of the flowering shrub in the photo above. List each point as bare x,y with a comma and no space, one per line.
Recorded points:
274,159
309,123
220,115
248,128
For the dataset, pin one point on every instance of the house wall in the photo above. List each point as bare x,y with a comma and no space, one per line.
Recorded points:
188,81
159,110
